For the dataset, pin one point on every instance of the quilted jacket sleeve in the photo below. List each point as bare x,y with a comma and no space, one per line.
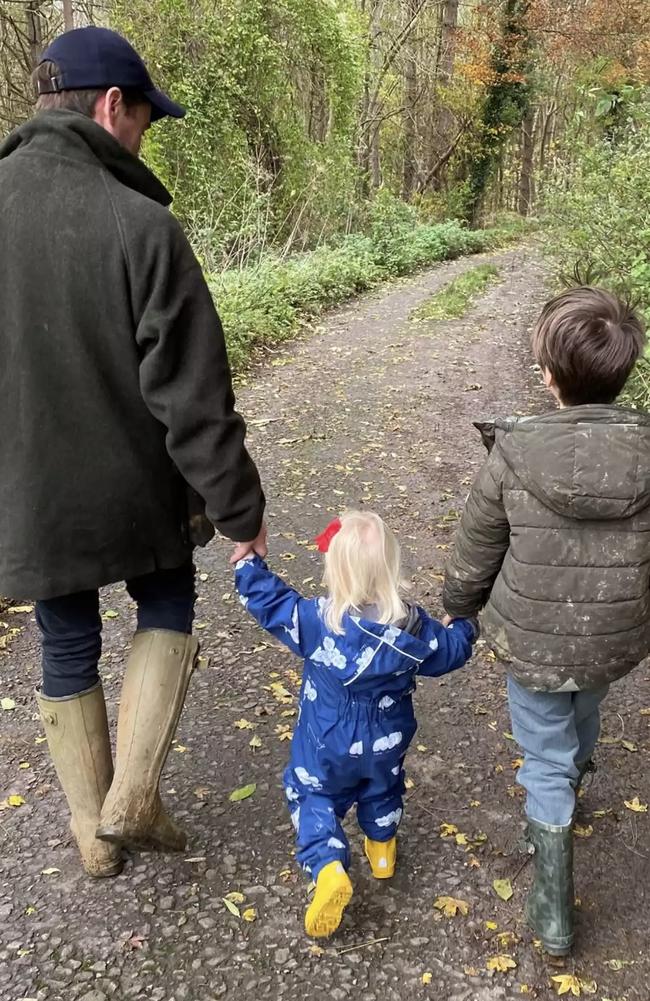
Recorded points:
481,543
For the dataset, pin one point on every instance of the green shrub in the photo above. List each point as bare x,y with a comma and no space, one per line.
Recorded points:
267,302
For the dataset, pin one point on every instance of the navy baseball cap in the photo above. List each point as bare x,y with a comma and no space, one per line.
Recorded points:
90,58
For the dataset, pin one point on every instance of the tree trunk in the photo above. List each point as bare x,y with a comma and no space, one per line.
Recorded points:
34,31
68,15
527,150
443,125
410,168
368,155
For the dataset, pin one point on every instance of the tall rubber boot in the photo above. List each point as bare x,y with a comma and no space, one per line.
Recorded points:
549,908
153,693
77,735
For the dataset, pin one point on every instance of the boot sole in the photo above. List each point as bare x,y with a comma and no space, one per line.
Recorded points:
330,914
137,842
106,873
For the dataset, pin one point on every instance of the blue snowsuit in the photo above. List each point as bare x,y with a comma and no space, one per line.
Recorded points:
356,717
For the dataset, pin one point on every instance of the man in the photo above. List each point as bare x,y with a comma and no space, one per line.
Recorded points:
117,416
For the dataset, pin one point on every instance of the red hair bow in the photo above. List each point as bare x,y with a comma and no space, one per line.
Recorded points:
325,538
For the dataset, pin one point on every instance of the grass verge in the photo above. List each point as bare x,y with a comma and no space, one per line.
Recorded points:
270,301
454,299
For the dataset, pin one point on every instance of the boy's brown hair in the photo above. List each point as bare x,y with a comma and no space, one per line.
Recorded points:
589,341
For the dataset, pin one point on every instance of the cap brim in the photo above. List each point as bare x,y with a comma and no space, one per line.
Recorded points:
163,106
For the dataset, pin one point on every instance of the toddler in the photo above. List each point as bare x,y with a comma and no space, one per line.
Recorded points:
363,647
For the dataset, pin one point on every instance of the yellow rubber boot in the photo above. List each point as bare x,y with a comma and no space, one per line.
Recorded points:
332,896
382,856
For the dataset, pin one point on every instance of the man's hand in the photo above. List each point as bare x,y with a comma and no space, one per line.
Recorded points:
255,547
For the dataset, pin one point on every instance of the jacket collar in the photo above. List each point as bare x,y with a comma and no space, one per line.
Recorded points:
70,135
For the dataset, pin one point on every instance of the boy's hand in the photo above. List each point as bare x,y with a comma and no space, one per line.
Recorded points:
447,620
257,546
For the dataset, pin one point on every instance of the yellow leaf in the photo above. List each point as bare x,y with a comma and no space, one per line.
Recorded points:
645,712
491,925
503,888
244,724
501,963
30,910
409,784
567,982
234,910
49,872
582,831
628,745
471,971
20,609
316,950
447,830
507,939
517,762
427,978
461,839
250,914
473,862
235,897
40,740
7,704
16,801
474,802
524,989
255,742
451,906
288,712
422,747
180,748
508,735
24,765
636,806
287,735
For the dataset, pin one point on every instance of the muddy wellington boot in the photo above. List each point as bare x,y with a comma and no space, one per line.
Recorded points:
77,735
153,692
549,908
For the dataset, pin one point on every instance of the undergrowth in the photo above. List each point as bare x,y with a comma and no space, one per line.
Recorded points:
269,301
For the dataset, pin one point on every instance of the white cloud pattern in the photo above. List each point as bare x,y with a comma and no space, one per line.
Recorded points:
310,691
294,632
306,779
391,818
433,644
386,702
387,743
328,654
356,749
335,843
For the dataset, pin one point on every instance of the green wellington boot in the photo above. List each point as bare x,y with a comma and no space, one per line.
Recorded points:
153,693
549,908
77,735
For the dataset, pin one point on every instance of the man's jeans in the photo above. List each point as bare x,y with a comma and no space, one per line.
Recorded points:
71,627
558,732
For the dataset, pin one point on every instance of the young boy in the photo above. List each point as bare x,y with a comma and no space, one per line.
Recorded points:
554,544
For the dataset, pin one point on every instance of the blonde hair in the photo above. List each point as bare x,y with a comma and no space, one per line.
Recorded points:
363,567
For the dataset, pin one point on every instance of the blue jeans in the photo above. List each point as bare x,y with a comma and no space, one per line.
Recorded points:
557,732
71,626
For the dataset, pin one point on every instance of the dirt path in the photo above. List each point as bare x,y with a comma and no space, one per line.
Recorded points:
371,409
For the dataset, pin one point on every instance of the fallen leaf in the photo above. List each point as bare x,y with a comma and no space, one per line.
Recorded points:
473,862
503,888
618,964
196,858
491,925
250,914
461,839
409,784
508,735
287,735
111,614
20,609
583,831
507,939
644,712
201,792
7,705
24,765
474,802
232,907
568,982
180,748
524,989
255,742
628,745
244,724
427,978
16,801
501,964
422,747
451,906
471,971
316,950
49,872
30,910
40,740
235,897
135,942
243,793
636,806
447,830
517,762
